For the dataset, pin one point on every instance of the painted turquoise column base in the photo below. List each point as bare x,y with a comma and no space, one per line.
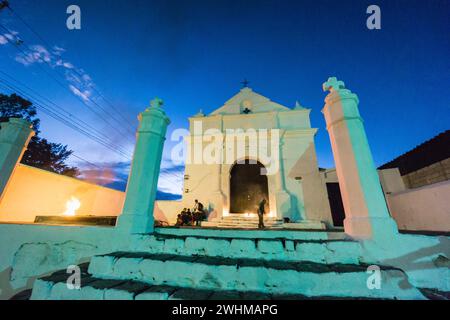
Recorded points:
135,224
377,228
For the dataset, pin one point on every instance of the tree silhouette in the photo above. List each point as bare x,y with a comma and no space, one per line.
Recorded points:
40,153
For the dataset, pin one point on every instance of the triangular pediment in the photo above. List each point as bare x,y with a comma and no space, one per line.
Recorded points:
250,100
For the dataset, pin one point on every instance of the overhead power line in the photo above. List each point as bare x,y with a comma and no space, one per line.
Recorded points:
38,35
67,121
103,118
61,109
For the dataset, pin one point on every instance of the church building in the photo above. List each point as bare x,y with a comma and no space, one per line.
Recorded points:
261,149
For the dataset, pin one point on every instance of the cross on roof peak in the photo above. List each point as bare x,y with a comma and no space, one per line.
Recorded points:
156,103
245,83
333,84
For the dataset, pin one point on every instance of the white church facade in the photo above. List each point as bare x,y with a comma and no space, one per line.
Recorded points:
137,259
260,149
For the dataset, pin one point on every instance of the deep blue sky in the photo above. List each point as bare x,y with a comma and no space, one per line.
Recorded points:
194,54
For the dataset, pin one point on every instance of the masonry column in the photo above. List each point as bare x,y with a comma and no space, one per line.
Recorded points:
217,198
14,137
366,211
137,214
282,198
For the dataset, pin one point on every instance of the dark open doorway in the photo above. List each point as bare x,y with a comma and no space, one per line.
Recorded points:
247,187
336,205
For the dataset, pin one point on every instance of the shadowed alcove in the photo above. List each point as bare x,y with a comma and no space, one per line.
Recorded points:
247,187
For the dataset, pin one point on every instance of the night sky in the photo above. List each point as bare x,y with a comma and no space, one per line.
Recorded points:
194,55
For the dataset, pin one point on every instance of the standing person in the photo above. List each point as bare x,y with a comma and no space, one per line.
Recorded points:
261,213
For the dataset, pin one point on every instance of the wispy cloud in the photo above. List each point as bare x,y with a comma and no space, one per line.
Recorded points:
171,178
3,40
85,95
9,36
80,83
110,174
115,175
35,54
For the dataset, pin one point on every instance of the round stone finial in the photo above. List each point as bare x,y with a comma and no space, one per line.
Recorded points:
156,103
333,84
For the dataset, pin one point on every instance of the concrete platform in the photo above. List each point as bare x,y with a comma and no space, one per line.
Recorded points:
77,220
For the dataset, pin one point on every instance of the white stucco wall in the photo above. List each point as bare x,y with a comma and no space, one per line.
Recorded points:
32,192
424,209
168,210
421,209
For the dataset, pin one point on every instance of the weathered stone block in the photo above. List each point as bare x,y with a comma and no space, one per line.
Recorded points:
270,246
156,293
114,294
41,289
290,246
152,296
181,273
288,281
217,247
249,279
194,245
149,244
101,265
127,268
190,294
217,277
343,252
173,245
60,291
152,271
90,293
33,259
242,248
311,251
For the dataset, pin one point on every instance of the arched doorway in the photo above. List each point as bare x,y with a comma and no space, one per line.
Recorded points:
247,187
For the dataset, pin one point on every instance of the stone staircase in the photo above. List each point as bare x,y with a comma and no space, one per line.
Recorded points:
242,221
191,266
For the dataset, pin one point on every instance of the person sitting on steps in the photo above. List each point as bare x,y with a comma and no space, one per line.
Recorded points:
181,218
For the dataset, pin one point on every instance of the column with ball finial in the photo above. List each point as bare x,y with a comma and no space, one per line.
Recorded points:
137,214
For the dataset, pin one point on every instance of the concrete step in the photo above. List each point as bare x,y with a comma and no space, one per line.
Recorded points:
267,277
248,218
242,223
233,226
287,234
54,288
321,251
239,226
245,220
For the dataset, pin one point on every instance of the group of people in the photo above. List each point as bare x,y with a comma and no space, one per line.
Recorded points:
189,217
